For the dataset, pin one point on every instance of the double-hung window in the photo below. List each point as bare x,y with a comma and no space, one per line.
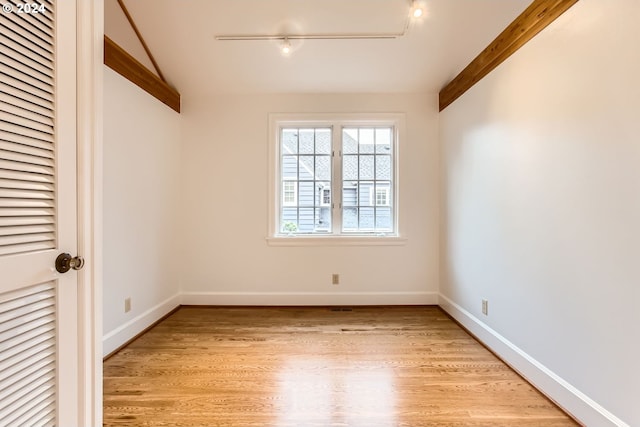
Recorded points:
334,176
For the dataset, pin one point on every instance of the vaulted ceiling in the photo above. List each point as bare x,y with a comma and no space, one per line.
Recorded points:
181,36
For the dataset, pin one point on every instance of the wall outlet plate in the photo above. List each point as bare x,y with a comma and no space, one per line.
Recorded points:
485,307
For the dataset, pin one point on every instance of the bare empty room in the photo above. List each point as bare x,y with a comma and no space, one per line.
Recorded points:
319,213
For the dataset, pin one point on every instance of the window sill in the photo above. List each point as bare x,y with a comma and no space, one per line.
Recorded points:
336,241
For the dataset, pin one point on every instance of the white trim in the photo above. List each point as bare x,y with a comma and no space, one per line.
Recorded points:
336,121
332,240
90,42
581,406
119,336
309,298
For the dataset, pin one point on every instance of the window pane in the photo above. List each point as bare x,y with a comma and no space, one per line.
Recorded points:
383,167
306,197
323,219
325,197
289,141
382,197
350,219
366,167
289,220
350,193
307,141
366,141
323,141
290,167
350,141
364,193
349,167
383,141
289,193
306,167
366,219
383,193
323,167
383,219
306,222
367,175
322,193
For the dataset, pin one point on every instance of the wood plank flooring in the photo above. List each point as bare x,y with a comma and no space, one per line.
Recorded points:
294,367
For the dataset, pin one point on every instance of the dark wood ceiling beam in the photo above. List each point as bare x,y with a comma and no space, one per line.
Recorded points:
534,19
127,66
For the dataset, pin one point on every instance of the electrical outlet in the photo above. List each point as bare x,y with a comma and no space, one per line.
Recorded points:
127,305
335,279
485,307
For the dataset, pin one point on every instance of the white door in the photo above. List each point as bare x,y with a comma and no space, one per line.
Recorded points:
38,213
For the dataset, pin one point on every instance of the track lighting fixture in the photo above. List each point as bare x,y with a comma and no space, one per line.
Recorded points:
416,11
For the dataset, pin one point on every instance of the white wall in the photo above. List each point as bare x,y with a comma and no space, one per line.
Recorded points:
225,175
141,188
118,29
542,210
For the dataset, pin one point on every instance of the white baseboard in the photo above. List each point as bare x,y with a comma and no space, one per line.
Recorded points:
119,336
587,411
583,408
309,298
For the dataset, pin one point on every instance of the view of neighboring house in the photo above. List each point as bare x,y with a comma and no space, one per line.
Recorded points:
366,191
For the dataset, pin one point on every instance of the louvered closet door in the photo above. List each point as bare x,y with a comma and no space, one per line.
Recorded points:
38,306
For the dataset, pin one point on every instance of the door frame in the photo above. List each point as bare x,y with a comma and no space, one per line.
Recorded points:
90,36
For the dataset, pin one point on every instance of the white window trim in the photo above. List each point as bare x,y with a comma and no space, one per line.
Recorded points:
336,121
333,240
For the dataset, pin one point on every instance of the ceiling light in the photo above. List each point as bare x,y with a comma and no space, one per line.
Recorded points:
286,46
416,9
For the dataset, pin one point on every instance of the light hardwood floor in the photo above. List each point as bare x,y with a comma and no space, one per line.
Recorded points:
369,367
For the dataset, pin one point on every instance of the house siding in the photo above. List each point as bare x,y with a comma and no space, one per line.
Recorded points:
312,173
